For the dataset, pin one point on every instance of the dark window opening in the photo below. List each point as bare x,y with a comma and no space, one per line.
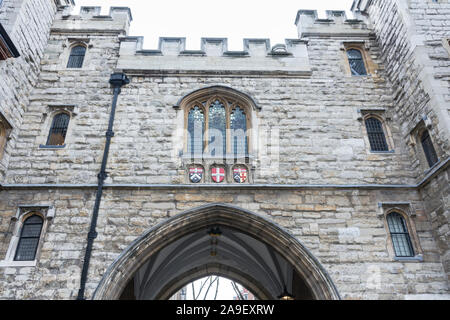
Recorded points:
196,131
58,130
428,149
76,57
356,62
400,236
376,135
238,125
29,239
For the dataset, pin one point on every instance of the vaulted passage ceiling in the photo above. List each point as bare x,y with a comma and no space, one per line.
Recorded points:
222,251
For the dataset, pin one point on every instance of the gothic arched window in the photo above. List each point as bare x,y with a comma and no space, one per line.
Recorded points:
29,239
356,61
428,148
238,125
196,131
400,235
217,129
217,126
376,135
58,130
76,57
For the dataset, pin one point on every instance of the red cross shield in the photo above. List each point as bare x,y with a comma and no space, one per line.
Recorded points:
240,175
218,174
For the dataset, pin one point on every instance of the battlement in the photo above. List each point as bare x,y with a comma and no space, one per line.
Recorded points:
335,25
257,55
214,47
89,19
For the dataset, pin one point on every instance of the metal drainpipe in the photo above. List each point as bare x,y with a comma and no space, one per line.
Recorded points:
117,80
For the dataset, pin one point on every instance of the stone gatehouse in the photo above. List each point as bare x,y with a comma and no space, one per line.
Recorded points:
317,168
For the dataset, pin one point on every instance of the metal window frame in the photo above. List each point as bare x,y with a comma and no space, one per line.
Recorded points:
80,58
405,234
52,129
371,135
361,59
25,237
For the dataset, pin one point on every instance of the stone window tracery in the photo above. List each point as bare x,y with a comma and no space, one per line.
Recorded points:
28,229
216,143
218,128
376,130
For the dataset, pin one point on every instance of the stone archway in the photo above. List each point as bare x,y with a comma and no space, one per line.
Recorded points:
239,227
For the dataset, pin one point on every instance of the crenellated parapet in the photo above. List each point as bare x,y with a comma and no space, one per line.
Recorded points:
335,25
256,57
89,20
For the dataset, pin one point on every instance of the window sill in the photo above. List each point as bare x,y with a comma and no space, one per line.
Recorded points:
432,167
418,258
383,152
12,264
208,157
43,146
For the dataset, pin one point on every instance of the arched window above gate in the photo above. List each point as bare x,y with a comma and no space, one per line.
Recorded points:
217,135
217,127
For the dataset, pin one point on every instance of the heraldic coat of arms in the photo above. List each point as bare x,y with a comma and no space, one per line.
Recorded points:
218,174
240,175
195,174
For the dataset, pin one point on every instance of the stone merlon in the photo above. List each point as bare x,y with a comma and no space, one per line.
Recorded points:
335,25
89,20
257,55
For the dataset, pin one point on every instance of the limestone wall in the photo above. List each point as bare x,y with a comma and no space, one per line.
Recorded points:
412,35
344,229
313,115
436,196
28,25
314,119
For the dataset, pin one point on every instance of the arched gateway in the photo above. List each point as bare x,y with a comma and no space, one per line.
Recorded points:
216,239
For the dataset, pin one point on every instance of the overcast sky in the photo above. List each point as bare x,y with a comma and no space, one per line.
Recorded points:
232,19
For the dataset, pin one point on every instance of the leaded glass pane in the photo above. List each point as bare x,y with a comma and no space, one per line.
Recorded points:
217,129
76,57
376,135
26,250
196,129
58,130
238,125
428,148
356,62
400,236
29,239
31,230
